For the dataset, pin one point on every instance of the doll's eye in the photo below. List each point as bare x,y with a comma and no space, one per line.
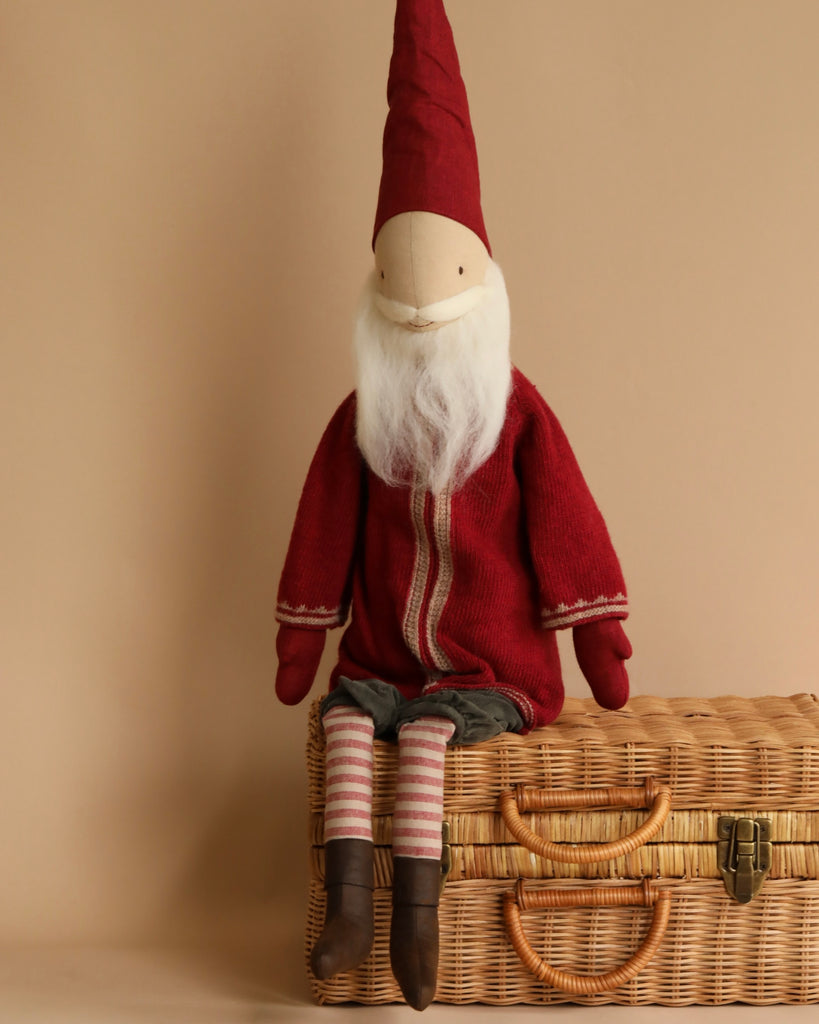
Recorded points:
460,270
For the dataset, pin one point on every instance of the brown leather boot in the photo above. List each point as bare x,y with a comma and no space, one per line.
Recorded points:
414,930
347,937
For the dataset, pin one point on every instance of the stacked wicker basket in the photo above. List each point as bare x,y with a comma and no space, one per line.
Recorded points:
536,911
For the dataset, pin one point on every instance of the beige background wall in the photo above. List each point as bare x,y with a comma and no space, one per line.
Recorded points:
186,196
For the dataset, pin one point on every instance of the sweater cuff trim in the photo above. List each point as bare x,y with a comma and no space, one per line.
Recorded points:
301,615
581,611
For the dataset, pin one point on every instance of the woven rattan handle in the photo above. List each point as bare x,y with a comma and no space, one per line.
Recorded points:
516,801
576,984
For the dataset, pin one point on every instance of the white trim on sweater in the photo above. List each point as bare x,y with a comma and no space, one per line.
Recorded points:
301,615
568,615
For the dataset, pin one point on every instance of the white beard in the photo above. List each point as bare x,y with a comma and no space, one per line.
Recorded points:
431,405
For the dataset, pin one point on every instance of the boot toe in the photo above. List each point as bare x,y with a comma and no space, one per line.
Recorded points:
342,946
419,995
348,933
323,963
414,953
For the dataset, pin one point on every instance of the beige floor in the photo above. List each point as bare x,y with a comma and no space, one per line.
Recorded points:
260,980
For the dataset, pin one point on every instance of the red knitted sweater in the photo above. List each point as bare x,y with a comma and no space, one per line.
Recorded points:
460,589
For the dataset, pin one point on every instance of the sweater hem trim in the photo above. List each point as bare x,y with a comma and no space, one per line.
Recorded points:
517,697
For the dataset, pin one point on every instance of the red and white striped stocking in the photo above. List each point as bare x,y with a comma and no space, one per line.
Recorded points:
419,796
349,767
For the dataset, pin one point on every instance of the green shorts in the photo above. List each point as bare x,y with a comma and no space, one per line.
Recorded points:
477,714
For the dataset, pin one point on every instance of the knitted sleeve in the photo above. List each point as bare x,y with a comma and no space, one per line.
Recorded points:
314,591
578,575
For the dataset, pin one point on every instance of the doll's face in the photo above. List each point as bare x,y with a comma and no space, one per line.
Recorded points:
429,269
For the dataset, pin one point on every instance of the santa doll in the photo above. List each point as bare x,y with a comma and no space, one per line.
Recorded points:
444,521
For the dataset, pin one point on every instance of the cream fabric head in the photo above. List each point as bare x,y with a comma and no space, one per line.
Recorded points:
430,270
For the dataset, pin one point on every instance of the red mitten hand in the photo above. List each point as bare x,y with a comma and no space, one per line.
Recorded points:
299,652
601,648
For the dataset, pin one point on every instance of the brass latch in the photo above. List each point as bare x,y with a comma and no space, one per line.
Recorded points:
446,854
744,855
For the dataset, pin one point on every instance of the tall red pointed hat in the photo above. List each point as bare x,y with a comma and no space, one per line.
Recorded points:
430,158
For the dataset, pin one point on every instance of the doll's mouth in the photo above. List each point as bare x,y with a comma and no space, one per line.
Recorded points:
432,315
419,323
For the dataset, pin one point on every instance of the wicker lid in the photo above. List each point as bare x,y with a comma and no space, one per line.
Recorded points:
718,753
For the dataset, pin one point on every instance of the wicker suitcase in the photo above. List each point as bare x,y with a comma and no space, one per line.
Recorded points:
691,797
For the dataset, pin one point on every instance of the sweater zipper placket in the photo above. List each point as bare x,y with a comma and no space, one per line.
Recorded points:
431,580
424,623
